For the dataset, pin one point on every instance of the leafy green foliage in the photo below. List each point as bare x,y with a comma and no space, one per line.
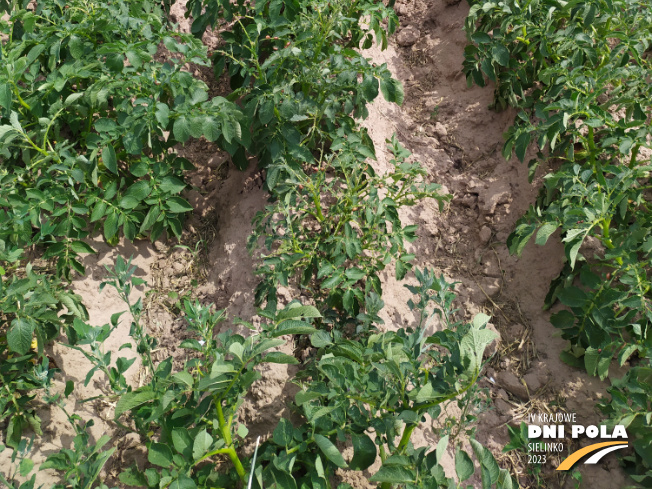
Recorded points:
10,475
631,406
30,307
87,118
81,464
21,378
31,315
373,391
188,416
337,226
302,87
608,293
579,75
342,18
293,66
542,50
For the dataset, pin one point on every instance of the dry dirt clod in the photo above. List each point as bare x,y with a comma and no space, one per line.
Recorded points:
485,234
217,160
511,383
440,130
408,36
533,382
194,198
160,246
400,9
491,287
490,200
516,331
467,200
490,267
426,141
502,394
503,407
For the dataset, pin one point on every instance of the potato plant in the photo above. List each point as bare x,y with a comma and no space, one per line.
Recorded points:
372,390
336,225
631,406
585,101
294,66
34,308
87,117
579,76
303,87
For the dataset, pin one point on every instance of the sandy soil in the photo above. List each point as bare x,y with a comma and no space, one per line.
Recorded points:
451,131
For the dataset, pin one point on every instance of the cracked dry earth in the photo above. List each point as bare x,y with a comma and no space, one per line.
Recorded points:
451,131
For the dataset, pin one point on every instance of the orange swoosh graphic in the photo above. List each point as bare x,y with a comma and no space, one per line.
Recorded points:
575,456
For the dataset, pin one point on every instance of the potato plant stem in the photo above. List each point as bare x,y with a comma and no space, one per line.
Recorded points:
315,199
20,99
591,141
324,34
225,428
141,336
13,397
47,130
632,161
405,438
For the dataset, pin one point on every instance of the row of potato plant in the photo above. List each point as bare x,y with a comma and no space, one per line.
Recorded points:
188,419
369,391
302,83
578,73
88,115
293,67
